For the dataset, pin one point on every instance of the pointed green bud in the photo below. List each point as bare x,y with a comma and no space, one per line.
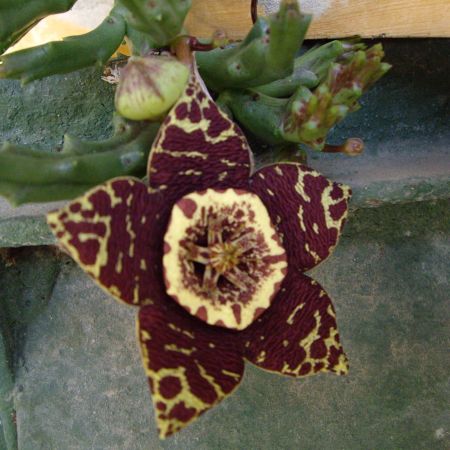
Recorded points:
311,114
149,86
312,67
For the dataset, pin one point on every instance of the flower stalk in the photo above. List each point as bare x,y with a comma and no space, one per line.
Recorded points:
254,10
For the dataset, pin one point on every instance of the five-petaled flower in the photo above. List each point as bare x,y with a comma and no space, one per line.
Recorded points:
213,255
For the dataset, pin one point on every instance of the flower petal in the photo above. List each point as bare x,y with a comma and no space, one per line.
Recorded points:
198,147
297,335
190,366
308,210
115,233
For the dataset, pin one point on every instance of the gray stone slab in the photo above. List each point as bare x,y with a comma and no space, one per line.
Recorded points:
26,284
25,225
81,385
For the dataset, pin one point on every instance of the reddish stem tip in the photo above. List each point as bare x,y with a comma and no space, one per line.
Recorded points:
197,46
351,147
254,10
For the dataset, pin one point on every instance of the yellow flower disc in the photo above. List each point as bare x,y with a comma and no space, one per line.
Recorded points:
223,260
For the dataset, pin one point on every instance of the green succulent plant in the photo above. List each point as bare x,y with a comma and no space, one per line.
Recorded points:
284,96
281,94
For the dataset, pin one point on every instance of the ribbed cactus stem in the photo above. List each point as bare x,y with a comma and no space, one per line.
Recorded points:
71,54
161,19
311,114
311,68
17,17
125,131
259,114
265,55
28,175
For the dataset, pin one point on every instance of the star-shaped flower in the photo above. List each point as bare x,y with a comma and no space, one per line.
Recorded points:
213,255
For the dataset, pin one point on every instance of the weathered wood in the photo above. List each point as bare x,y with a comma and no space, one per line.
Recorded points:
333,18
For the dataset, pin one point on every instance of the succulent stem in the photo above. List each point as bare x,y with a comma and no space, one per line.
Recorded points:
160,19
309,114
259,114
73,53
265,55
17,17
27,175
124,131
311,68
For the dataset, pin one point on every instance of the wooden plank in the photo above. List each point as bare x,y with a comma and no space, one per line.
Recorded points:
332,18
231,16
387,18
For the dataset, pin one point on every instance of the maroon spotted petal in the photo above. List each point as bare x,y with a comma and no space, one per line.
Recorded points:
114,232
297,335
190,367
308,210
198,147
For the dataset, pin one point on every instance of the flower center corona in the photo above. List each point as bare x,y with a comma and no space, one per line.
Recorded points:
223,260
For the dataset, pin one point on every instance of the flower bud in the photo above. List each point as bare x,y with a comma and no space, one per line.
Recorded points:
149,86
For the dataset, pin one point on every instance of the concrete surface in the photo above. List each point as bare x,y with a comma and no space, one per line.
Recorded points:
80,385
